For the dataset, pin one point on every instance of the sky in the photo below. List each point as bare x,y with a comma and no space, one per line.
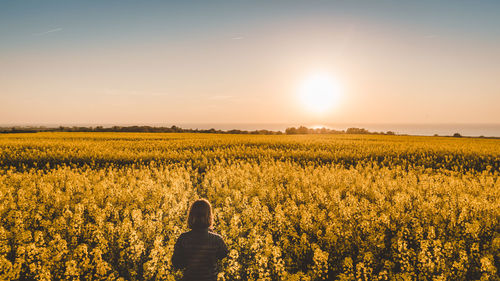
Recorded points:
155,62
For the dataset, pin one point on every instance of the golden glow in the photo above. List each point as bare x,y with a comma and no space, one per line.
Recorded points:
319,93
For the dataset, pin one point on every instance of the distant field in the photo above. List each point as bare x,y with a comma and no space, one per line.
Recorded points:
91,206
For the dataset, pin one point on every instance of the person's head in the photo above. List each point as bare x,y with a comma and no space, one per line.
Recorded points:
200,215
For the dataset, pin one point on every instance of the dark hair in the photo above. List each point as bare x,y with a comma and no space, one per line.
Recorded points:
200,214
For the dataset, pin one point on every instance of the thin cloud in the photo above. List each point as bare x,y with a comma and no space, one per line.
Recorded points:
48,31
131,93
238,38
218,97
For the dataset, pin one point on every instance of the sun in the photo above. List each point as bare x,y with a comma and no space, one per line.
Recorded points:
319,92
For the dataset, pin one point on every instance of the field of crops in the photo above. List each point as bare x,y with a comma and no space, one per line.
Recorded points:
104,206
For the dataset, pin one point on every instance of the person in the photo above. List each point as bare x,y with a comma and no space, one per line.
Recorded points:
198,251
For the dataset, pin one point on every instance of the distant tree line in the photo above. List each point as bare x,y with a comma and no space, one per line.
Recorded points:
175,129
304,130
131,129
301,130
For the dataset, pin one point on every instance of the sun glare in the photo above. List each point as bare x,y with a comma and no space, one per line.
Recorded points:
318,93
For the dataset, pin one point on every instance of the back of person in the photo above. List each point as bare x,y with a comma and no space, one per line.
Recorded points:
198,250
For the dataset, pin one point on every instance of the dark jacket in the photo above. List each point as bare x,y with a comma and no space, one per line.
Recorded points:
197,252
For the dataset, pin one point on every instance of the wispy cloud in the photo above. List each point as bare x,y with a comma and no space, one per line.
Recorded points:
48,31
238,38
131,93
220,97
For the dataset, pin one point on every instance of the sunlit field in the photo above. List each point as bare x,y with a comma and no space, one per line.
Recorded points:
97,206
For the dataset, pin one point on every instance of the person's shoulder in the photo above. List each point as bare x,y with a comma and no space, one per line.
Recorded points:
184,235
215,235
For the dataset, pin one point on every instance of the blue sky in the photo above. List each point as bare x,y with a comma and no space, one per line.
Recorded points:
241,61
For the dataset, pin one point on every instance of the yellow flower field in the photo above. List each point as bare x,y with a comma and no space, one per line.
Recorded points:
106,206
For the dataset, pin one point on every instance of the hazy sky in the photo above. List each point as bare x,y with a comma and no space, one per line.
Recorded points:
243,61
